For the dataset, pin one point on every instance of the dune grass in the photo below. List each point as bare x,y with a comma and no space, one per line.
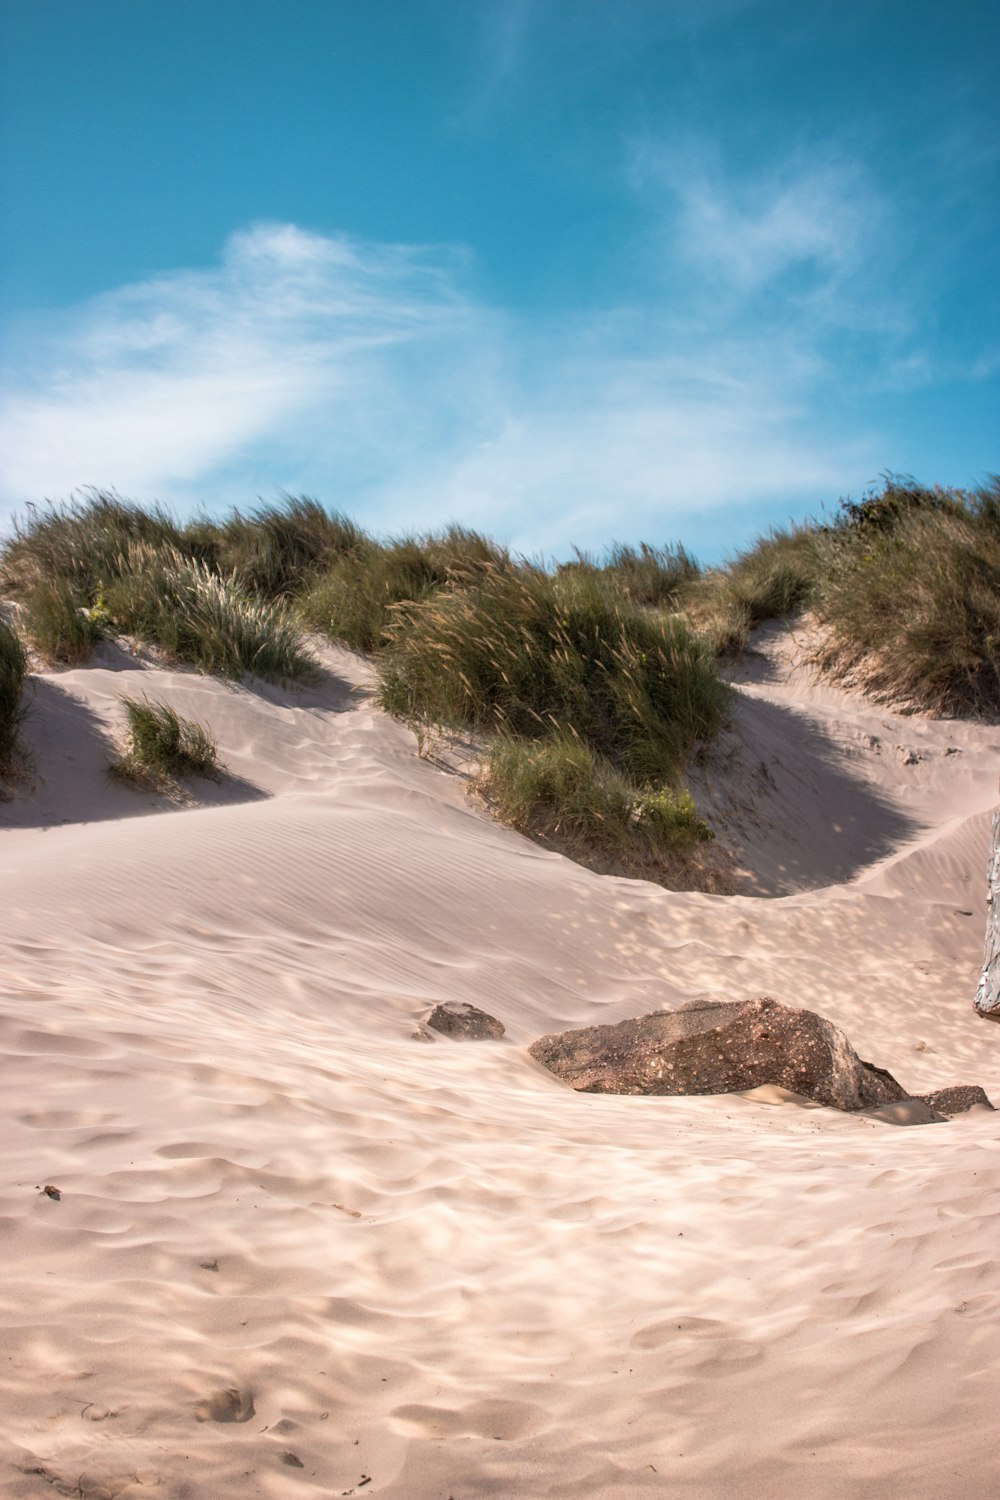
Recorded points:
771,579
909,599
656,576
193,615
107,560
56,622
591,683
80,542
557,789
275,550
904,583
13,667
353,600
590,705
161,746
519,652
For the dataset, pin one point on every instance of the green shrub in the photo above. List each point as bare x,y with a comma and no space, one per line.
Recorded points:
58,626
900,495
557,789
13,667
515,651
180,605
162,746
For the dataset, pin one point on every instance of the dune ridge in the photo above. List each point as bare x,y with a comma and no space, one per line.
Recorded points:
300,1252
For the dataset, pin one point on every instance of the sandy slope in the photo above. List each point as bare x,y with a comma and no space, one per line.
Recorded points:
424,1271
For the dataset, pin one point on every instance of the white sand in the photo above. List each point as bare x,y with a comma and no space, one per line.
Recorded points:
433,1271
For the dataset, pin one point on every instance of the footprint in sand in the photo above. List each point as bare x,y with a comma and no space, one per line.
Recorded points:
503,1420
229,1405
671,1328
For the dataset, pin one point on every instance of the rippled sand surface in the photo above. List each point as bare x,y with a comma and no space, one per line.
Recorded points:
299,1252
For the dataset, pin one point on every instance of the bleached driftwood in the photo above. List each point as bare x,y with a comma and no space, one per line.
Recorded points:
988,993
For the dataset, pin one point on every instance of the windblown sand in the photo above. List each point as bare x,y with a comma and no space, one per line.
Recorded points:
299,1253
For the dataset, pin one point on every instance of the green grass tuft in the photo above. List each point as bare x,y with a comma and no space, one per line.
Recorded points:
353,601
276,550
656,576
193,615
518,652
162,746
80,542
776,576
911,605
557,789
13,668
59,627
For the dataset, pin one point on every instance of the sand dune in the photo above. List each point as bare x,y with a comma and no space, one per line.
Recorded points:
300,1252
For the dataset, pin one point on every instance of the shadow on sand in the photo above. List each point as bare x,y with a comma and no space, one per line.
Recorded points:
71,751
780,784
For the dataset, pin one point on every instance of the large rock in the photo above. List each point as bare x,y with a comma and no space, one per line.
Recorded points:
719,1048
458,1018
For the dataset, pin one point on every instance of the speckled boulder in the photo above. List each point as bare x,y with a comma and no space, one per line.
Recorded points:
957,1099
456,1018
719,1048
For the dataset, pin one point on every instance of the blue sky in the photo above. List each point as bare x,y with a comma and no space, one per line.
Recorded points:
566,270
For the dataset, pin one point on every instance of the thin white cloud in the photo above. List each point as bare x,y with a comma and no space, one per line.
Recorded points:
159,384
365,374
811,228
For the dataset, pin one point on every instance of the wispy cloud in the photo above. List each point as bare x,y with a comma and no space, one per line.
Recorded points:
160,384
367,374
811,227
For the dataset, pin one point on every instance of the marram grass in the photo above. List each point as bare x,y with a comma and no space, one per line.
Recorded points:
13,667
194,615
161,746
57,624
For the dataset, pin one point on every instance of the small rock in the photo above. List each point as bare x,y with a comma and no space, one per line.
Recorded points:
957,1099
52,1192
230,1405
456,1018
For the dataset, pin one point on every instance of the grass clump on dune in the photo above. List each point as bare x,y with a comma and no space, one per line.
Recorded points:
909,599
162,746
13,667
904,583
519,652
591,703
56,622
557,789
656,576
107,560
193,615
771,579
276,550
353,600
80,542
